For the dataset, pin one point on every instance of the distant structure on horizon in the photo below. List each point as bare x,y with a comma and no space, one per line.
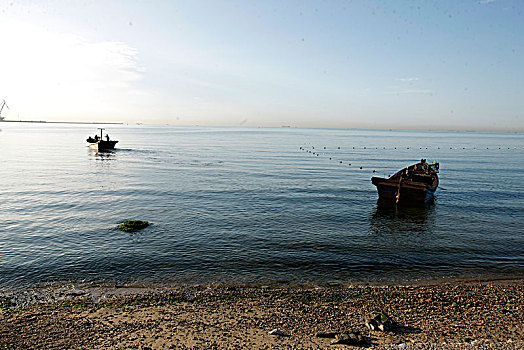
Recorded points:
2,119
4,104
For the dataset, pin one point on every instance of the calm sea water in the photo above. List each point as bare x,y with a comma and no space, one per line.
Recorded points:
248,205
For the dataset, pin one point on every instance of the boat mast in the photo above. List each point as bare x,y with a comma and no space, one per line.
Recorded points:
101,132
2,108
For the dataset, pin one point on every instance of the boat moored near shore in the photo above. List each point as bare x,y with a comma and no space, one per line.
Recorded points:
415,184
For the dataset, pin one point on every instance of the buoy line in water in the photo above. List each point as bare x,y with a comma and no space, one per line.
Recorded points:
361,167
420,148
314,151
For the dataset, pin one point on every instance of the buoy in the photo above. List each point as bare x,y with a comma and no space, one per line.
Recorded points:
349,164
313,147
338,147
324,147
329,158
340,162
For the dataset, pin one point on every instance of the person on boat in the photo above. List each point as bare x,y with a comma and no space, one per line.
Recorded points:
107,137
96,138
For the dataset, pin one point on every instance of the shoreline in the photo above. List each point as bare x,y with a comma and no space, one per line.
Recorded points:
52,292
466,314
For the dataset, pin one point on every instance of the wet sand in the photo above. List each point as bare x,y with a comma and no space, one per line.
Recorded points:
458,315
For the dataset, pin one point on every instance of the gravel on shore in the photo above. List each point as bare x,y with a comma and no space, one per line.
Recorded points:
458,315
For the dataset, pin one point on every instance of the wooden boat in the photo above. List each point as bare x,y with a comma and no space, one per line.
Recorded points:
415,184
99,144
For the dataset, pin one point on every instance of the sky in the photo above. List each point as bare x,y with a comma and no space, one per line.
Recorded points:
447,64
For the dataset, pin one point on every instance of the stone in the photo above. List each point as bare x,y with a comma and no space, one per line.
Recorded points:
381,322
133,225
277,332
372,324
326,335
76,293
349,338
341,339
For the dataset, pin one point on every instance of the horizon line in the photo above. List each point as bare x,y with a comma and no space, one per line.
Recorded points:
435,129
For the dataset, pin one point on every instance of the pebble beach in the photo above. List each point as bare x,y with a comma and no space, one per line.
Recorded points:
451,315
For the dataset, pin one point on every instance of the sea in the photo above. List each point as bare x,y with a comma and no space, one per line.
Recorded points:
253,206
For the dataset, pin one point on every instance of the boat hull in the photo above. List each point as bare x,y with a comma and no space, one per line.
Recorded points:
103,145
408,191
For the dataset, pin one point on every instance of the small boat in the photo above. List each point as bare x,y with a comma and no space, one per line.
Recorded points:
99,144
415,184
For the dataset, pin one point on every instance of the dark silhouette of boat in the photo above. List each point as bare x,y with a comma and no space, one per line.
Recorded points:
99,144
415,184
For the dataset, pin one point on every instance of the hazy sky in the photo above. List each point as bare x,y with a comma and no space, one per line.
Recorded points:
372,64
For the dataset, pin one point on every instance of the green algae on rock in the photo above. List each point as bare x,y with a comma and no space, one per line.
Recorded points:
133,225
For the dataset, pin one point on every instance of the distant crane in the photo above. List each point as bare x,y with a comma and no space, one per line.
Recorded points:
2,108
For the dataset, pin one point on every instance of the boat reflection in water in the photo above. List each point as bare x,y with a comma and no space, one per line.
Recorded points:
106,155
391,218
